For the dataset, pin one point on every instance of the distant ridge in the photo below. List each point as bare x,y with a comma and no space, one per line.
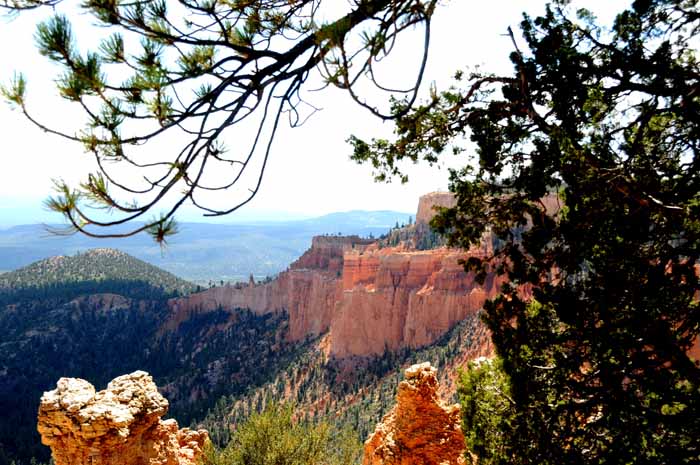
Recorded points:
205,252
102,264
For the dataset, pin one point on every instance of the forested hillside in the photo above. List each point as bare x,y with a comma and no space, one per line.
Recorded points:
96,316
215,367
96,265
354,394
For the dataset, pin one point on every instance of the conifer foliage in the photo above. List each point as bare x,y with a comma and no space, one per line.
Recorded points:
188,71
273,436
585,169
20,5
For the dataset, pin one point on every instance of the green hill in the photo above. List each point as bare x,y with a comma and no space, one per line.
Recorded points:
95,265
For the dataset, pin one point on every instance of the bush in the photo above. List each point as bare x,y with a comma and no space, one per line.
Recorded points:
273,437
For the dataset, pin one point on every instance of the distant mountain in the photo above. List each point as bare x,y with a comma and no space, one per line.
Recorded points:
95,265
205,252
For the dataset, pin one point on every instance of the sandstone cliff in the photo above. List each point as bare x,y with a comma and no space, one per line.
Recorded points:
394,298
369,298
428,202
420,429
120,425
308,290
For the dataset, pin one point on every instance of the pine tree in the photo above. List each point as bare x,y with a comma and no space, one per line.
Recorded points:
586,179
202,67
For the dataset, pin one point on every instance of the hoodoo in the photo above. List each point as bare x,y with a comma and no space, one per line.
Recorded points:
420,428
120,425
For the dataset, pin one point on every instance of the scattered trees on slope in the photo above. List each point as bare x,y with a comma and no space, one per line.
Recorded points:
593,144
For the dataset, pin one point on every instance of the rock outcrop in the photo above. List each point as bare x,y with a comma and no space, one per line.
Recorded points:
428,202
394,298
307,291
120,425
420,429
369,298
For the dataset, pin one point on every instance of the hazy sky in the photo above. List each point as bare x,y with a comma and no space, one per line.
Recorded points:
309,171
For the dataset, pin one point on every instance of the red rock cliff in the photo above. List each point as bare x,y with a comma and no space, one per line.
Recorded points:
308,290
393,298
369,298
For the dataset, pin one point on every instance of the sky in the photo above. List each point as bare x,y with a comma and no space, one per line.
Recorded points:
309,172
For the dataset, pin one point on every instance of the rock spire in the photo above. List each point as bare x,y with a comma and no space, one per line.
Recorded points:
420,428
120,425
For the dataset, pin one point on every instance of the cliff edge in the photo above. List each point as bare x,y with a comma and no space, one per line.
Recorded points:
427,205
120,425
368,296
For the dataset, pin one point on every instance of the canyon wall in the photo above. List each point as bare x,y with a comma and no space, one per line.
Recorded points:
394,298
308,290
428,202
369,298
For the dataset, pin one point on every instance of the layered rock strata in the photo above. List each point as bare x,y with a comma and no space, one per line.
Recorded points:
120,425
370,299
307,291
420,428
394,298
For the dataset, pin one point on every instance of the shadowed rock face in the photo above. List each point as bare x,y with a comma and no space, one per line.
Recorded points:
420,429
120,425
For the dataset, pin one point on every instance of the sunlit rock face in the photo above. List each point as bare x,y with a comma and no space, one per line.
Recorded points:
420,429
120,425
428,202
369,298
307,291
393,298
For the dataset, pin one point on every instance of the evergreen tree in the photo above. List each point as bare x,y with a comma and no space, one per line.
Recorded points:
273,436
201,68
586,177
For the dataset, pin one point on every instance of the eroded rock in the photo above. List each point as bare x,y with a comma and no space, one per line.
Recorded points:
428,202
369,298
120,425
420,429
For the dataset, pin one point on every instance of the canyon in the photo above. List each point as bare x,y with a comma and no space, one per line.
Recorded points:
368,297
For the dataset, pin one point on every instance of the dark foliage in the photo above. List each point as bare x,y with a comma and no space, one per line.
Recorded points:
585,168
61,332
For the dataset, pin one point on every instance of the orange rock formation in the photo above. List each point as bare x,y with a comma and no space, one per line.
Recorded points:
308,290
428,202
394,298
120,425
420,429
370,299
